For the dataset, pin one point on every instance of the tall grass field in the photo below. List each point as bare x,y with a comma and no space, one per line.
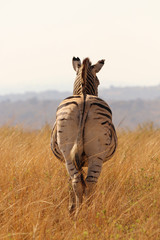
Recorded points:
34,190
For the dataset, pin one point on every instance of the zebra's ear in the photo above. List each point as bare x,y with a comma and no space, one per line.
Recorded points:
97,67
76,62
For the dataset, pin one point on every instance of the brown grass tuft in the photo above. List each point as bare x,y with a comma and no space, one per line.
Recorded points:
34,190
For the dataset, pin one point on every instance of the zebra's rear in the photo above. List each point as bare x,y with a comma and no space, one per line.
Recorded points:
85,131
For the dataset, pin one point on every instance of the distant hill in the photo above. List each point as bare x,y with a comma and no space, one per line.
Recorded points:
131,93
33,113
131,113
130,106
112,93
46,95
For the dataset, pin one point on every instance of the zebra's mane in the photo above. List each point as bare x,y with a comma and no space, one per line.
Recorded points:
86,63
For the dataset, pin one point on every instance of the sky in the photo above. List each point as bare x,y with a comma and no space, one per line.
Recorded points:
38,39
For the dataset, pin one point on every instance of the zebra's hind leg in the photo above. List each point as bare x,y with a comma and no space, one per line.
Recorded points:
94,170
79,190
89,191
72,198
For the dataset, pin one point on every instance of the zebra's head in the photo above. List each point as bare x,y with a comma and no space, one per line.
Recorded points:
86,79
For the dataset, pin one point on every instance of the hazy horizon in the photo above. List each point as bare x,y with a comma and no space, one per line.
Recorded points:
39,39
34,89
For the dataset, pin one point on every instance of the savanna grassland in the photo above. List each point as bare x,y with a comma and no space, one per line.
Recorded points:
34,190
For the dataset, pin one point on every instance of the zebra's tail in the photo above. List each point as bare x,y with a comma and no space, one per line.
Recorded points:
76,156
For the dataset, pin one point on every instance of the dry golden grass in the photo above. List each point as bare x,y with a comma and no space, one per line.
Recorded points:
34,190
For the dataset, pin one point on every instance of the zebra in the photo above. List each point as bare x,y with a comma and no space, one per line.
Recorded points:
83,134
